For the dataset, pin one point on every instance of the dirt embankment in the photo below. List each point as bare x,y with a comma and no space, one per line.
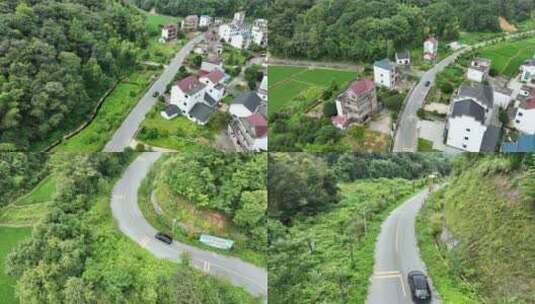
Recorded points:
506,26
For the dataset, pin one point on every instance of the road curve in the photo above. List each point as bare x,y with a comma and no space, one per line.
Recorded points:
126,132
131,222
406,137
396,254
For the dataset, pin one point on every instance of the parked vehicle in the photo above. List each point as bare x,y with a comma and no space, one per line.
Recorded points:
420,290
156,94
164,238
427,83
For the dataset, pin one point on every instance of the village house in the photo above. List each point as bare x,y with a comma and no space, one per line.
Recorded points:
502,96
478,70
239,18
195,98
385,73
259,32
356,104
169,32
246,104
524,120
239,36
403,58
190,23
527,70
263,89
205,21
249,133
430,48
211,63
473,123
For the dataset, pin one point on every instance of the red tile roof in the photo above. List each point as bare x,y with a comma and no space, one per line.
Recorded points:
188,83
215,76
362,86
259,123
340,120
530,104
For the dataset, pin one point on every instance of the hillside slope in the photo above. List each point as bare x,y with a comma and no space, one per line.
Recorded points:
486,217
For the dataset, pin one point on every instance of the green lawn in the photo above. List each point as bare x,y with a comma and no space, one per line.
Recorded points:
42,193
155,21
287,83
475,37
508,56
9,237
112,113
178,134
425,145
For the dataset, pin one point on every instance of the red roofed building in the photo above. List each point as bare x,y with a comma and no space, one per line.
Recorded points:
188,84
249,133
168,32
357,104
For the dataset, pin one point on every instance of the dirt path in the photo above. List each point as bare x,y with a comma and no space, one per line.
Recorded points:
506,26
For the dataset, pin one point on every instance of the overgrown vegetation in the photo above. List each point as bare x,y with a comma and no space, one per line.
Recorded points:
57,59
77,255
477,235
211,193
367,30
19,173
256,8
322,233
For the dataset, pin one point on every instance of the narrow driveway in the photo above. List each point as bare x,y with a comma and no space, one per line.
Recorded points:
124,135
131,222
406,138
396,254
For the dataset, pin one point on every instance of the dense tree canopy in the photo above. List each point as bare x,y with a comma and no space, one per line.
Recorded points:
220,8
362,30
19,172
57,58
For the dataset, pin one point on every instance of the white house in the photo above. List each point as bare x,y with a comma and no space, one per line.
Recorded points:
249,133
239,36
430,48
527,70
525,116
259,32
214,84
169,32
241,40
245,104
211,63
385,73
205,21
502,96
403,58
239,18
263,89
472,123
478,70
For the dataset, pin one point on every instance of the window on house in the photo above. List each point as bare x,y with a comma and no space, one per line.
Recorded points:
464,146
184,104
517,121
467,129
520,114
466,138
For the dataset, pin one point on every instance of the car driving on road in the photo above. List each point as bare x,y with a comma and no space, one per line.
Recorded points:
427,83
420,290
164,238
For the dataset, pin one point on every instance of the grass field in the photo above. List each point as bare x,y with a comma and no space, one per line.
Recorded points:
508,56
155,20
42,193
9,237
178,134
286,83
110,116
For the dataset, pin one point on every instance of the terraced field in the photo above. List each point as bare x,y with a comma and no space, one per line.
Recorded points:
286,83
508,56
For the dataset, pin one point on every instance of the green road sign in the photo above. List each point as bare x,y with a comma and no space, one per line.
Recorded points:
216,242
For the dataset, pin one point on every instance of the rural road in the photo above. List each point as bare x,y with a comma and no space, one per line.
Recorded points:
406,137
125,134
131,222
396,254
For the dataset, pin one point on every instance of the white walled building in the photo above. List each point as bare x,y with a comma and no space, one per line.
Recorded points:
403,58
239,18
478,70
502,97
527,70
385,74
259,32
263,89
205,21
430,48
525,117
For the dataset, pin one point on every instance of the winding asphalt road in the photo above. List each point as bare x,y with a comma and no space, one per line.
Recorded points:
126,132
406,137
131,222
396,254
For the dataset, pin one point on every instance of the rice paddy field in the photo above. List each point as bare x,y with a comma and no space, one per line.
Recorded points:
286,83
508,56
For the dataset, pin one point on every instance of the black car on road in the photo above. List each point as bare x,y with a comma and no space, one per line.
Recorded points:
427,83
420,290
156,94
164,238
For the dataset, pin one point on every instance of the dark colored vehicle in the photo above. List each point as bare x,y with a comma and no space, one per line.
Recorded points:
420,290
164,238
427,83
156,94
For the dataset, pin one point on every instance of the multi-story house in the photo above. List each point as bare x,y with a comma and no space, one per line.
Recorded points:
385,73
430,48
357,104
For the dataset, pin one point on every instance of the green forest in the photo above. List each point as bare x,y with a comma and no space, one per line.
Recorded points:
215,193
57,58
361,30
323,223
76,254
477,235
218,8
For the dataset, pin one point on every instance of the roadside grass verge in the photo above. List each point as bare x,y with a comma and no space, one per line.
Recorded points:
9,238
193,217
178,133
26,215
362,139
451,288
114,110
332,253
